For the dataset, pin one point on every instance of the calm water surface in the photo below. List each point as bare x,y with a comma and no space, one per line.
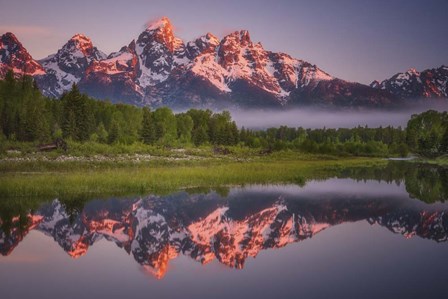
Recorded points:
338,238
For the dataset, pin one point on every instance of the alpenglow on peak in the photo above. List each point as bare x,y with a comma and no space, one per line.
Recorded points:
158,23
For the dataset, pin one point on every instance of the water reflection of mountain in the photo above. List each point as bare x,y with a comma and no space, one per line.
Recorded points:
207,227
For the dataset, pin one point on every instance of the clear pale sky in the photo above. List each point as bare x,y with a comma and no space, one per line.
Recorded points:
357,40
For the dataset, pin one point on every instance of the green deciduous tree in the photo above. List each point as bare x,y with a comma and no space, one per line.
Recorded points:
425,133
165,126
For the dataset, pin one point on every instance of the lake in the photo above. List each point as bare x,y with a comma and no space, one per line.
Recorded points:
363,234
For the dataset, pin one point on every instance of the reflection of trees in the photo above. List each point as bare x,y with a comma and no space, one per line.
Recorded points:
15,221
18,210
428,183
391,173
74,206
14,211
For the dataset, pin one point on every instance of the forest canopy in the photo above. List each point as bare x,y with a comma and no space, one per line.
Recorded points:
27,116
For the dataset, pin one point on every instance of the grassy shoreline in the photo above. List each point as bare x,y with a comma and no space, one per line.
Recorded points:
54,178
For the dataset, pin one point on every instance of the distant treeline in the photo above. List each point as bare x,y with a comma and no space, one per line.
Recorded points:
28,116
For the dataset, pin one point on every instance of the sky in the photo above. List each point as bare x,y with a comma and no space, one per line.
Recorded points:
355,40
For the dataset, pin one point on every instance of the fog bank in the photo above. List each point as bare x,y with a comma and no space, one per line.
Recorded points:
319,118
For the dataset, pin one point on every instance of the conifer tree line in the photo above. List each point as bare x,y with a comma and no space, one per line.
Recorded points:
27,116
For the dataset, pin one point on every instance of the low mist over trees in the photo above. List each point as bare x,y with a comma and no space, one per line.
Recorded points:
27,116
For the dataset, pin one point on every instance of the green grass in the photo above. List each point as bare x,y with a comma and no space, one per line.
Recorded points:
56,179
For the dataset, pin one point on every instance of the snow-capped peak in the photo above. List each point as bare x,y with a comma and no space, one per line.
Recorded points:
412,71
159,52
9,36
241,37
81,45
14,56
413,84
204,44
375,84
69,64
160,32
245,36
208,39
8,43
81,38
81,41
158,24
159,68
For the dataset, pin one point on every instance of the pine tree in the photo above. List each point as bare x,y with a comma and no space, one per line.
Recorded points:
9,114
234,132
200,135
69,120
113,132
148,132
78,119
84,117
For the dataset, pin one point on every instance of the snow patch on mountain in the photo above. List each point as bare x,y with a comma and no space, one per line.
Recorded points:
205,66
68,65
14,56
158,68
431,83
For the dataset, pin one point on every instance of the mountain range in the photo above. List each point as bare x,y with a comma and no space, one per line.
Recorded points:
207,227
159,69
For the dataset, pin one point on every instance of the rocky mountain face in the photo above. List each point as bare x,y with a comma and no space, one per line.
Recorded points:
157,68
431,83
14,56
115,77
154,230
68,65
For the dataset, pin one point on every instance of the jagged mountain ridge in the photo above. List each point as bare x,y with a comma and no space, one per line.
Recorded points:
68,65
14,56
431,83
206,227
158,68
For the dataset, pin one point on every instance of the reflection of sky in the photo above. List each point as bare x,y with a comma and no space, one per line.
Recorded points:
356,40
